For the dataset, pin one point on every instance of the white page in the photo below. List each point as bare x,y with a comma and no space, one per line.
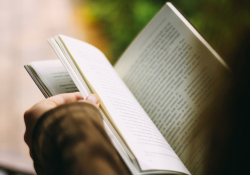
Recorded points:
143,138
173,73
54,76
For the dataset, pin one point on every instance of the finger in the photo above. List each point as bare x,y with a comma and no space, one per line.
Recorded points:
50,103
64,98
40,108
92,99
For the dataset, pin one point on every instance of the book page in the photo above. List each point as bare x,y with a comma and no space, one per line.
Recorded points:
143,138
54,76
174,75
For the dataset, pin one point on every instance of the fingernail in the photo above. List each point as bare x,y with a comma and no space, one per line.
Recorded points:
93,98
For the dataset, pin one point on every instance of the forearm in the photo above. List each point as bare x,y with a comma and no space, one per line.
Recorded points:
71,139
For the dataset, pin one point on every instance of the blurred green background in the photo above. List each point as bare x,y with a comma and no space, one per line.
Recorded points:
223,23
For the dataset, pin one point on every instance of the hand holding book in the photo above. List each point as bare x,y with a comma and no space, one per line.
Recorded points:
35,112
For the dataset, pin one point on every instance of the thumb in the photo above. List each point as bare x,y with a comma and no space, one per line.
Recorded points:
94,99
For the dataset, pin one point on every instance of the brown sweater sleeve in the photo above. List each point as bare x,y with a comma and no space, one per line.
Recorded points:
71,140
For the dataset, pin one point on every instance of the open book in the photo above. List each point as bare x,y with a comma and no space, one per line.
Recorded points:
154,101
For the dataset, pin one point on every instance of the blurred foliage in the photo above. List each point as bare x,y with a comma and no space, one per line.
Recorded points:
222,22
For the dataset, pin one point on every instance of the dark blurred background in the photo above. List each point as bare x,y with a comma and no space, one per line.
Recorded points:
110,25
